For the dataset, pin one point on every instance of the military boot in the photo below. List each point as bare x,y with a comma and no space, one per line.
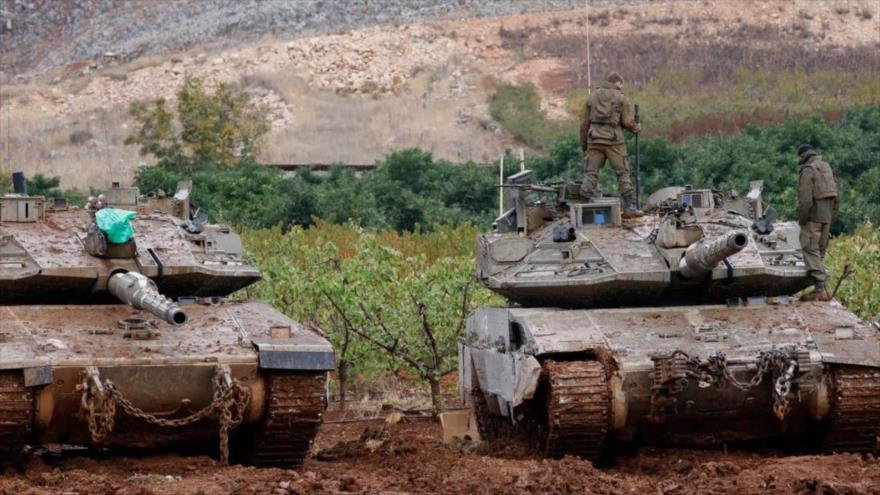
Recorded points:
819,293
630,210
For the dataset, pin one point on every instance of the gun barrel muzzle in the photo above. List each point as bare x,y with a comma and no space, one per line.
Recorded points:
140,292
703,256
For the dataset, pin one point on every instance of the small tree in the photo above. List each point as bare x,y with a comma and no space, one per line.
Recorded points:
222,127
296,268
413,311
405,295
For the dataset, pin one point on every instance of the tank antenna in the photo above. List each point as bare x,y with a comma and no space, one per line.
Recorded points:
501,188
587,13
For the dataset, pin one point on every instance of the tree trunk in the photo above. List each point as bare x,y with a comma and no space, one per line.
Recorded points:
342,376
436,395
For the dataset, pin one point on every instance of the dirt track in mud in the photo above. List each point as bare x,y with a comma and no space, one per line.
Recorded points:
410,458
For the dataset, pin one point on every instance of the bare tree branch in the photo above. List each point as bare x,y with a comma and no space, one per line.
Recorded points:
428,331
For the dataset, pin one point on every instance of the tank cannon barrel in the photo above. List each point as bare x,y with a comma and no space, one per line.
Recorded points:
703,256
140,292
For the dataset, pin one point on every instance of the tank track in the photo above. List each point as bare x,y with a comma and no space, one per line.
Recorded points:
577,409
16,415
490,426
296,405
854,425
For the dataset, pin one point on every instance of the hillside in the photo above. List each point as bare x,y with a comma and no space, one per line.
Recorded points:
349,84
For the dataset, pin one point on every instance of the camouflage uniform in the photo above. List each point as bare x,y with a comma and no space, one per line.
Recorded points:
602,138
817,204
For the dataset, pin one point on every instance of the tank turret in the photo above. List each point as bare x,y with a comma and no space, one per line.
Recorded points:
50,254
703,256
549,248
140,292
676,328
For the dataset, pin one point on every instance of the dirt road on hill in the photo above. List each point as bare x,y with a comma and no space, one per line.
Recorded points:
410,458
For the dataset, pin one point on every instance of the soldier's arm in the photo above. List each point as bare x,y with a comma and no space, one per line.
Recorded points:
585,125
805,195
836,203
627,117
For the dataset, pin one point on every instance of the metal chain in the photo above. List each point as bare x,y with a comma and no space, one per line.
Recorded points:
99,402
715,371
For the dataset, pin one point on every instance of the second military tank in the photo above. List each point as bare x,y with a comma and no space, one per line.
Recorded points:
135,343
676,328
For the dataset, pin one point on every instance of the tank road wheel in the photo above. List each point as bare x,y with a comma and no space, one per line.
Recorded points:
16,415
296,403
855,411
577,410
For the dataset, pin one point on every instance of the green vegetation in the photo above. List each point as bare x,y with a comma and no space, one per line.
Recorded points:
860,292
220,128
518,110
40,185
408,190
404,295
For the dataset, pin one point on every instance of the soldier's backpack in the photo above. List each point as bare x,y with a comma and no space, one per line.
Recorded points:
605,107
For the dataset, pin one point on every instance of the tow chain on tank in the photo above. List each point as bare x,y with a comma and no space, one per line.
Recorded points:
672,372
100,398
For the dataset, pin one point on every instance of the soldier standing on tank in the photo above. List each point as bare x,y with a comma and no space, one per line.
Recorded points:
606,113
817,205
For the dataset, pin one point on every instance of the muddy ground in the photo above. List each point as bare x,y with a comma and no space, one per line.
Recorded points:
410,458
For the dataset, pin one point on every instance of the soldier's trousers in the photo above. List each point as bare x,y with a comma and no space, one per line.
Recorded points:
594,160
814,241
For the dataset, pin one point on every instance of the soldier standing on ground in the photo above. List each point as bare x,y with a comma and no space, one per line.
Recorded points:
817,205
606,113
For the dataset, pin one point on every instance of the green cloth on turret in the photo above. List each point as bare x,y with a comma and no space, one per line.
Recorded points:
115,224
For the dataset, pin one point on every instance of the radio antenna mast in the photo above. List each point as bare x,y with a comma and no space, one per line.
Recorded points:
587,13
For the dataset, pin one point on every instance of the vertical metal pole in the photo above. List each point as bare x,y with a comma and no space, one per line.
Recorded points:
587,12
501,189
522,160
638,165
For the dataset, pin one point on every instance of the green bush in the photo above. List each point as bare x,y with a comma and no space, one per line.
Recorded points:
408,190
860,292
518,109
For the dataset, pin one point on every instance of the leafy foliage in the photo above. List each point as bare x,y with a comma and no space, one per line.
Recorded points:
220,128
408,190
518,110
40,185
375,291
5,183
860,292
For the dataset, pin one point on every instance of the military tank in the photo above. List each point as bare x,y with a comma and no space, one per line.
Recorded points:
136,344
676,328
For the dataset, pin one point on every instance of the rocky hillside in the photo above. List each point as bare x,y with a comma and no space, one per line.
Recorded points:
350,81
43,34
